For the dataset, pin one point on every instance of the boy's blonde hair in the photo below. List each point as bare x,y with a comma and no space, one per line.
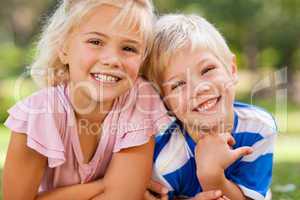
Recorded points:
172,33
47,67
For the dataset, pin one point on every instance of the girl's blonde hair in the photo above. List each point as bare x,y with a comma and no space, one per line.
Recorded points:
47,69
173,33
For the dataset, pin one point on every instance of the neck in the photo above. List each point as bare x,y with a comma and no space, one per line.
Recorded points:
88,109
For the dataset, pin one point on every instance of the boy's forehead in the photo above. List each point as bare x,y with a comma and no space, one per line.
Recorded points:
184,60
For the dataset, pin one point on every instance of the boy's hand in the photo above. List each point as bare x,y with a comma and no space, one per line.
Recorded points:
157,188
213,155
209,195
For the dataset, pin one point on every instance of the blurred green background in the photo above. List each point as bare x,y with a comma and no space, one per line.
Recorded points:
264,34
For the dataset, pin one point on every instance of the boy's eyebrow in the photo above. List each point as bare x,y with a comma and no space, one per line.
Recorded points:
201,62
171,78
126,39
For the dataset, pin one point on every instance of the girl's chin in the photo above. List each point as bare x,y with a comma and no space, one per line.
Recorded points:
102,99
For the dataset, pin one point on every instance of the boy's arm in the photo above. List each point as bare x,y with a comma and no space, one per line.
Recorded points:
252,177
23,172
213,155
229,189
128,174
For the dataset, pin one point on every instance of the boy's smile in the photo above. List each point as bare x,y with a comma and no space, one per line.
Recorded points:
198,89
207,105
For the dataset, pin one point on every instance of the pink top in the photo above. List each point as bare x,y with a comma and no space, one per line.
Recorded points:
48,120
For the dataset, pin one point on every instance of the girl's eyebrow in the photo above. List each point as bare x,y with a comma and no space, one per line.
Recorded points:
126,39
96,33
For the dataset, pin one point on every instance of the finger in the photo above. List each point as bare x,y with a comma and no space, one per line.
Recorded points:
209,195
157,187
242,151
164,197
149,196
228,138
225,198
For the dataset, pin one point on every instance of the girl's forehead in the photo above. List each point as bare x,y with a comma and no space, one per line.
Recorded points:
106,19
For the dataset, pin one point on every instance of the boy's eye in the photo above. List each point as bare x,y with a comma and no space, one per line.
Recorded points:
130,49
177,85
207,69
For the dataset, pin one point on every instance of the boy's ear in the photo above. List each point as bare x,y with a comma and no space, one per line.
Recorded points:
233,68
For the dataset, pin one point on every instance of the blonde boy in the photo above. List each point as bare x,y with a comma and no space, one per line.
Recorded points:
215,142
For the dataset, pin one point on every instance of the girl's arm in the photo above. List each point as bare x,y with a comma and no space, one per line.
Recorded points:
128,174
126,178
23,172
75,192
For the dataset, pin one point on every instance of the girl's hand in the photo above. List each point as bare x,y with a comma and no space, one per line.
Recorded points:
213,155
159,189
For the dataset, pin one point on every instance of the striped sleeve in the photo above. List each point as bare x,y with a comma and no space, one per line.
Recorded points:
253,173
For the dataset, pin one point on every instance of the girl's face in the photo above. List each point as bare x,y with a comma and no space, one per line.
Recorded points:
199,90
104,60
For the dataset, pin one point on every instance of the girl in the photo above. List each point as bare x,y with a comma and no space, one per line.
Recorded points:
88,133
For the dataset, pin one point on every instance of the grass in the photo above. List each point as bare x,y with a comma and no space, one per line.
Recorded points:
285,174
286,168
4,139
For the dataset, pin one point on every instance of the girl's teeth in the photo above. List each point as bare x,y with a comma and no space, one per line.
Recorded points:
106,78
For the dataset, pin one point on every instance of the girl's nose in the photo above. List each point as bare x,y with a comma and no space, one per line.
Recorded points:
109,56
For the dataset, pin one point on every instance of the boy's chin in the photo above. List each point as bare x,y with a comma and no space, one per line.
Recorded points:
209,125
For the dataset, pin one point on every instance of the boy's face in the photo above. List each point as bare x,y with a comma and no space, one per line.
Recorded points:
199,89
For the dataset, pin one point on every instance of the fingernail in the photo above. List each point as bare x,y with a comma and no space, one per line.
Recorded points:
165,190
218,193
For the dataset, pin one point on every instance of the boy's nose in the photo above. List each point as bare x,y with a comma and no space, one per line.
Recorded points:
199,88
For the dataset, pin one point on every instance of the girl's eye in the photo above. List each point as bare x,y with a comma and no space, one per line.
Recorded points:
130,49
96,42
207,69
177,85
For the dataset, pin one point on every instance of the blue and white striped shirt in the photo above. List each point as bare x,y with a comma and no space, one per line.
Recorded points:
175,166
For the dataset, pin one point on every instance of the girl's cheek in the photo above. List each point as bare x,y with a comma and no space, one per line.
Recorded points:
133,67
88,57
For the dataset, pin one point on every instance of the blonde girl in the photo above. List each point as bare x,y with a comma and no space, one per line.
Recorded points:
87,133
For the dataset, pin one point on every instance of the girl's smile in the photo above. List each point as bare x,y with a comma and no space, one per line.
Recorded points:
103,57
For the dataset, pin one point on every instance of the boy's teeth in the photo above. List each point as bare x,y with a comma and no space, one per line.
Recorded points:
106,78
207,105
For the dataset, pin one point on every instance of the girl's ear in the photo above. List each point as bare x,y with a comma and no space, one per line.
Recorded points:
63,54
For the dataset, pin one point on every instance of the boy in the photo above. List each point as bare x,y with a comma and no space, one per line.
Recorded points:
215,142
